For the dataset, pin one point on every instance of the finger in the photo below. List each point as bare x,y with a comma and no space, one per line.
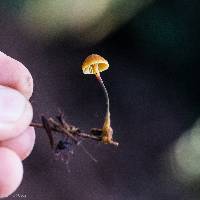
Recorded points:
22,144
14,74
15,113
11,172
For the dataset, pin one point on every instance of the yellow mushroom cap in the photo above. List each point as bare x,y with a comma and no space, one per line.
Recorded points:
92,61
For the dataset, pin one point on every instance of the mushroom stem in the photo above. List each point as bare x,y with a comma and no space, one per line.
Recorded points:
96,70
107,117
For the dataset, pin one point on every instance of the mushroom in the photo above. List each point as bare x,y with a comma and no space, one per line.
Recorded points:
94,64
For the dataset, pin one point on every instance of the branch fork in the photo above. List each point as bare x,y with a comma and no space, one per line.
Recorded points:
59,125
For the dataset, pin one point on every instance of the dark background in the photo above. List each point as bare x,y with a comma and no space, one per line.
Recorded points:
153,82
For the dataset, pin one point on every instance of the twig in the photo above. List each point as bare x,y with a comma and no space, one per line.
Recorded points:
61,126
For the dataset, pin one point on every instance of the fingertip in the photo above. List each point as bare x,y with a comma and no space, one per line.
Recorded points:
25,83
11,172
22,144
15,75
18,122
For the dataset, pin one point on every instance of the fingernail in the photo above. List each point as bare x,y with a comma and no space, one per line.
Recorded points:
12,105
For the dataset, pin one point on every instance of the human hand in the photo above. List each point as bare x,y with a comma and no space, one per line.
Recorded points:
16,137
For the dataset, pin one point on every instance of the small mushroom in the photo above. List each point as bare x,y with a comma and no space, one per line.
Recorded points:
95,64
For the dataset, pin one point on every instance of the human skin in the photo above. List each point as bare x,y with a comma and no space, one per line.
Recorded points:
16,137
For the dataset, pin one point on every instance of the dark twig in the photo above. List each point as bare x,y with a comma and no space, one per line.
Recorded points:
48,130
60,125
